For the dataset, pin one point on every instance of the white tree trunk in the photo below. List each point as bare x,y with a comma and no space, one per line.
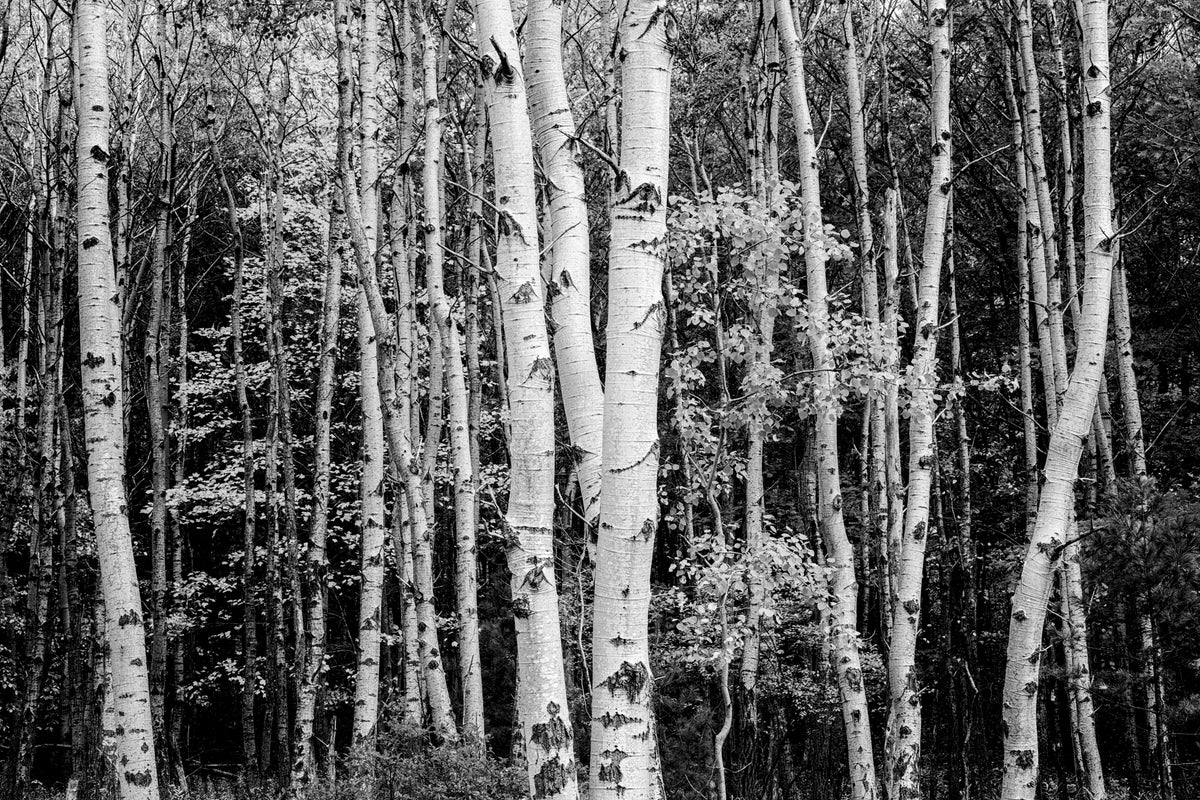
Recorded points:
372,531
569,254
624,759
903,740
396,425
1131,406
466,581
317,554
542,694
103,407
1074,422
402,269
843,587
891,402
765,170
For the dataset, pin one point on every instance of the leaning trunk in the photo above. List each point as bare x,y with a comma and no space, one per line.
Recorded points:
843,587
1074,422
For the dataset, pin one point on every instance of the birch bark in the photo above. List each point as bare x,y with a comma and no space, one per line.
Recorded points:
372,529
569,254
462,468
103,405
843,588
317,554
542,694
903,739
1074,421
395,423
624,759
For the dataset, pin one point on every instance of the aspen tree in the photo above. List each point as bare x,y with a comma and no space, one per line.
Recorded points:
569,254
542,699
157,382
402,281
964,622
874,483
1074,420
37,488
903,739
179,429
280,454
317,555
843,588
372,530
890,322
249,636
1135,445
1022,256
103,403
46,477
1047,296
373,533
1043,235
448,338
624,758
765,169
396,428
1131,406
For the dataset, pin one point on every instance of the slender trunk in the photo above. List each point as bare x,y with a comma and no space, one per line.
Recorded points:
249,632
569,254
767,268
1023,258
373,531
280,463
366,685
396,424
1135,444
890,546
466,579
1131,406
903,740
177,533
843,586
1074,422
158,384
317,554
1043,236
624,760
103,404
964,604
541,701
874,473
45,504
402,281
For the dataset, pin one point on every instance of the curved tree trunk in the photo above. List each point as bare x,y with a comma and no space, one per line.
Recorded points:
373,530
570,285
1074,423
395,423
903,741
843,586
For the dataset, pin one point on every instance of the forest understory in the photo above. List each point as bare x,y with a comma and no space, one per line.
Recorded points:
620,399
